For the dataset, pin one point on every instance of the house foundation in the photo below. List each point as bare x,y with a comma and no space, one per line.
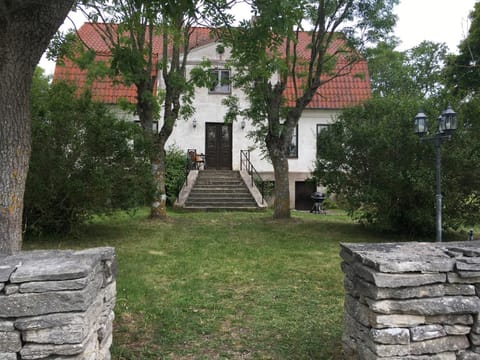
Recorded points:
412,301
57,304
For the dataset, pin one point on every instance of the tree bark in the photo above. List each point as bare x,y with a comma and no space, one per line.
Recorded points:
281,205
158,209
26,28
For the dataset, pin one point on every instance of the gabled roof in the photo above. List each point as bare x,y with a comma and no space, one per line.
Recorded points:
346,90
106,90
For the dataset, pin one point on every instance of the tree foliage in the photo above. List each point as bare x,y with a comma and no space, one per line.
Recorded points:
414,72
373,160
84,160
462,70
129,28
267,54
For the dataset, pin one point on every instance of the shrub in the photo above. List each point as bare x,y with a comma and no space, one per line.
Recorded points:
175,173
84,162
371,158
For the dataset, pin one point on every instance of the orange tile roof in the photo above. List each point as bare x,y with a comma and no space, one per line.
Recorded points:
350,88
347,90
106,90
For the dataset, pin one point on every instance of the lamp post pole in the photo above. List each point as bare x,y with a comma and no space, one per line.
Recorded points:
438,196
447,124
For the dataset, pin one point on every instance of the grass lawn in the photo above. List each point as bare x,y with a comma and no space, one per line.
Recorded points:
224,285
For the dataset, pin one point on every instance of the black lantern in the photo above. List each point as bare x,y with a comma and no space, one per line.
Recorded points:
448,121
421,126
447,124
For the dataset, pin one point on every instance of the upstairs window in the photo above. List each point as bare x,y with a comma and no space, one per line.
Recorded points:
221,84
292,151
320,128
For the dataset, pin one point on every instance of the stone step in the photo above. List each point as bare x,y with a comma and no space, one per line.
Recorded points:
214,189
220,190
219,199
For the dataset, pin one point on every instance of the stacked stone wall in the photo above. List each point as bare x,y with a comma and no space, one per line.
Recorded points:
57,305
412,301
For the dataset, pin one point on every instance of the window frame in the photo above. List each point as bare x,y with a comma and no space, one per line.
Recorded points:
293,154
319,129
216,89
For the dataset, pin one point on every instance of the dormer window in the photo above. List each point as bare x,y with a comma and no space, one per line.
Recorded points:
221,84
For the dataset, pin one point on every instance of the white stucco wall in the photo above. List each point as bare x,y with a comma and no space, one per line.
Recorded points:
209,108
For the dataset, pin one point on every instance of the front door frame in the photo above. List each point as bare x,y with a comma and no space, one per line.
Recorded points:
221,158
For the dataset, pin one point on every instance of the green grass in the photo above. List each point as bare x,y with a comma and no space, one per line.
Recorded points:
225,285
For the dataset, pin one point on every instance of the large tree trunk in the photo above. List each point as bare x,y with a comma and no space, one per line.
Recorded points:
158,209
26,28
281,205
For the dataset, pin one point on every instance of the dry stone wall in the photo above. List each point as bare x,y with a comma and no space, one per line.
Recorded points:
412,301
57,305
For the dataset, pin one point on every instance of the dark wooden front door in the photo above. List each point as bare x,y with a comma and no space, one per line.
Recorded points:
218,146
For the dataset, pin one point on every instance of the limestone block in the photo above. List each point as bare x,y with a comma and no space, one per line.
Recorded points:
371,291
31,351
433,346
456,278
6,271
11,289
61,328
384,280
107,256
47,286
430,306
475,339
459,289
390,336
6,325
357,310
467,249
10,341
457,329
8,356
476,324
426,332
468,355
469,274
64,268
32,304
468,263
380,321
367,354
105,330
450,319
401,257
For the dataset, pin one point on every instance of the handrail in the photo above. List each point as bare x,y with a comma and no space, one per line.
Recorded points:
246,164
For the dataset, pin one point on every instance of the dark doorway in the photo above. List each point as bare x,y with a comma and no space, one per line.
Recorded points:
218,146
303,191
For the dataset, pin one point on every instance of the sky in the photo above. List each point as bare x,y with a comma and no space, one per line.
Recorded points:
418,20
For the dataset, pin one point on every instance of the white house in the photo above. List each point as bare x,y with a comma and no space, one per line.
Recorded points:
221,142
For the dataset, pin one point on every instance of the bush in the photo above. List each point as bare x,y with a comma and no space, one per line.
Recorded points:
176,162
84,162
373,160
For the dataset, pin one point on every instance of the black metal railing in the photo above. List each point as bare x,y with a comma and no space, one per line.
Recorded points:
246,164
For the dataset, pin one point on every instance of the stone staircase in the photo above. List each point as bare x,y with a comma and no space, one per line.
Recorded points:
220,190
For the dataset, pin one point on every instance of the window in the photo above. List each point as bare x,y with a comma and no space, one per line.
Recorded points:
292,151
320,128
221,84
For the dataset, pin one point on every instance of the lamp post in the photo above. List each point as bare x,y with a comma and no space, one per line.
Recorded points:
447,124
